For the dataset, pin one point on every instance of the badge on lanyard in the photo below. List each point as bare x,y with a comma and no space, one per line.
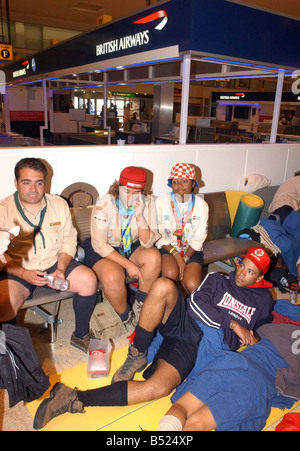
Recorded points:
180,222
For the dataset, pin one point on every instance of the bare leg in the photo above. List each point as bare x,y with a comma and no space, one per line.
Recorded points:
170,267
192,277
193,414
158,304
157,308
112,278
12,297
162,382
83,281
149,263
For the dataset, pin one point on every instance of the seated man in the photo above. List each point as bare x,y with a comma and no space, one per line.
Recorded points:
243,295
46,244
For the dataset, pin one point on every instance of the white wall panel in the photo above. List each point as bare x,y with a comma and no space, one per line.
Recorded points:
220,167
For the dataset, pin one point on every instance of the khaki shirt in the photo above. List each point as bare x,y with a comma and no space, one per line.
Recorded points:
196,226
57,228
106,225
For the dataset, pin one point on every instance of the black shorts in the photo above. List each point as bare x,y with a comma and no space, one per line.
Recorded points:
4,276
181,339
196,258
91,257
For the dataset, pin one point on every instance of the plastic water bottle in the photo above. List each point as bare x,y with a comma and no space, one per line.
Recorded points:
293,297
57,283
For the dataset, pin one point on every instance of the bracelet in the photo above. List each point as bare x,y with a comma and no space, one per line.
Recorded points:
22,273
172,250
186,259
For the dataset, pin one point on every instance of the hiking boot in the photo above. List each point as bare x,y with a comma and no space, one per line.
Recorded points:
137,307
82,343
135,363
62,399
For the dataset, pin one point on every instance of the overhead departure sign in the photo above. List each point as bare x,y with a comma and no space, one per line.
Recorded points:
6,52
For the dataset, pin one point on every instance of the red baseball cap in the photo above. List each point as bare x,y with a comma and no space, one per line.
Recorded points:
259,257
133,177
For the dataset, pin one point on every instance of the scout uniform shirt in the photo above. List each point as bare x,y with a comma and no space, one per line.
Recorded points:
106,225
196,227
38,249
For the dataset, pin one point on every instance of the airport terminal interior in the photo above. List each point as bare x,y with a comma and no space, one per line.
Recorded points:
150,108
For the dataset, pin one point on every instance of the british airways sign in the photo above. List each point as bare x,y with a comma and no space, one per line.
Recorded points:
138,39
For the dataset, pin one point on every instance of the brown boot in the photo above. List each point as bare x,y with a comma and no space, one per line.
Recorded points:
62,399
135,363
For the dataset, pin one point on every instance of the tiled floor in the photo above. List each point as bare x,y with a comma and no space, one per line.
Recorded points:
55,358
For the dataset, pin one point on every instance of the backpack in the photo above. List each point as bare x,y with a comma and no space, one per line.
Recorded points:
105,322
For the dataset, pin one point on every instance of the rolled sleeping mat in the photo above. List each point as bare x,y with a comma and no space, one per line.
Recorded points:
248,213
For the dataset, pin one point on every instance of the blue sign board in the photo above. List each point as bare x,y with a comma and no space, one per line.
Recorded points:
217,28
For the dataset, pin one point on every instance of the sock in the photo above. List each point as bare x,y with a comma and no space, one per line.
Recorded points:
124,316
169,423
83,308
141,296
111,395
142,339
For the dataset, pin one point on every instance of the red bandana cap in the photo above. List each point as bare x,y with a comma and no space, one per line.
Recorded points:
182,171
133,177
260,258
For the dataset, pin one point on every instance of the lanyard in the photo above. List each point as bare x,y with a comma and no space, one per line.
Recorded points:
180,222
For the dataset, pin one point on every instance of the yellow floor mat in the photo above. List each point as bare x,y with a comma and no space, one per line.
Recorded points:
277,415
144,416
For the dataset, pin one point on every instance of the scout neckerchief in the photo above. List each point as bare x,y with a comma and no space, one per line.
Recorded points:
126,216
36,228
180,222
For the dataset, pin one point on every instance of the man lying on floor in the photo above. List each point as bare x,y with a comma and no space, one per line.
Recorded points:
236,391
229,306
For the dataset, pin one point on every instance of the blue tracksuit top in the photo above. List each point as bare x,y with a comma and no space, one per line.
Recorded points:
218,300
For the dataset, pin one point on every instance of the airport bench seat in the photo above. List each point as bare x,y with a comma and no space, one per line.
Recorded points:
219,245
40,298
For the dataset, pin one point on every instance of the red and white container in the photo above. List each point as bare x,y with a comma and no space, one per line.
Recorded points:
98,358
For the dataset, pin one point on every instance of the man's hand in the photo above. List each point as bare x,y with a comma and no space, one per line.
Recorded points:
247,337
35,277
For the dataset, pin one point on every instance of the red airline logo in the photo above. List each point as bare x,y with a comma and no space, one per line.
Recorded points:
158,15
